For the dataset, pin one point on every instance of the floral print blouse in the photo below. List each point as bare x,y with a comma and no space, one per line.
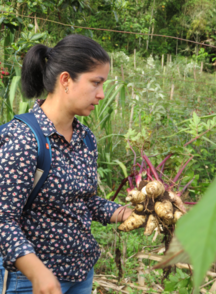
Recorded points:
57,228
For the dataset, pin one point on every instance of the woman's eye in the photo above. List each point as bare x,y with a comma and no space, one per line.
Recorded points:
96,83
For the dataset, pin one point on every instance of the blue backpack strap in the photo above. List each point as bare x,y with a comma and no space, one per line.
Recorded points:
44,156
89,141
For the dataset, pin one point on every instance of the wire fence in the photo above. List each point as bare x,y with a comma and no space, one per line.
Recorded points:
111,30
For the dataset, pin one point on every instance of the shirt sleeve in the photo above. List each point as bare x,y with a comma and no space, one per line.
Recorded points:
18,159
101,209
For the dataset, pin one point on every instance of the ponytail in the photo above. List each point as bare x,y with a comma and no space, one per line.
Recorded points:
33,69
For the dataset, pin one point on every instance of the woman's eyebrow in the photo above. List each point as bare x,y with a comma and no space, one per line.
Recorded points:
101,78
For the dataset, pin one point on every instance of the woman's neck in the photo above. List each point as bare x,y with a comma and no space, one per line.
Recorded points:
55,111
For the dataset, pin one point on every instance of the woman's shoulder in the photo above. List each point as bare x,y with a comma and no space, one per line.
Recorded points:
19,133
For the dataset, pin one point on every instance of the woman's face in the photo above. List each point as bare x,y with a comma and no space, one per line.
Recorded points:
87,90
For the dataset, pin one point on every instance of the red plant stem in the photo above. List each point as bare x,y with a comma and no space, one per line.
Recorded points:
149,177
150,166
138,177
185,187
191,203
130,180
123,182
144,164
162,169
141,167
148,172
161,173
134,157
194,139
163,162
181,170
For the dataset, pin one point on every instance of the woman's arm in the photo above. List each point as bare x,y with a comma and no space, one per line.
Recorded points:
121,214
43,280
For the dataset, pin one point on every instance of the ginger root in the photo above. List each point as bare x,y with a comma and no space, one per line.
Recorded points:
153,189
152,223
135,196
177,201
134,221
139,207
164,209
177,215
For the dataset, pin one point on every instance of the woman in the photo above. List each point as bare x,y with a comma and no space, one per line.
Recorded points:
51,244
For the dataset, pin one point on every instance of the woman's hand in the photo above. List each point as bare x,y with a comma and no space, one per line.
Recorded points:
121,214
42,279
45,283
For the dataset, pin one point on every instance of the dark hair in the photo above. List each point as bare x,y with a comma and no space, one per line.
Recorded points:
75,54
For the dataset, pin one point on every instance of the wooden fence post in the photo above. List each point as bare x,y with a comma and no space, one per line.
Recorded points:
35,22
111,64
122,72
194,70
178,71
201,68
168,58
164,71
176,47
162,60
134,58
117,96
172,92
132,109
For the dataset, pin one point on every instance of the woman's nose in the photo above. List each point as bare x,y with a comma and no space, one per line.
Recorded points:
100,94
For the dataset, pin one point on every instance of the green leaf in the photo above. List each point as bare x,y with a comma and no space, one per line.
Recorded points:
196,118
170,286
37,36
183,290
183,283
208,140
2,19
13,87
1,84
109,195
196,231
110,100
60,3
123,167
23,107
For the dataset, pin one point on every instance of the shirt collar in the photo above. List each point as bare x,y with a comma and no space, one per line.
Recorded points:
48,128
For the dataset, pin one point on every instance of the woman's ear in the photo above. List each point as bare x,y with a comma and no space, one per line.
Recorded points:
64,79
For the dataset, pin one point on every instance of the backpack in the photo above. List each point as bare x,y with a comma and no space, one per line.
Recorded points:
44,156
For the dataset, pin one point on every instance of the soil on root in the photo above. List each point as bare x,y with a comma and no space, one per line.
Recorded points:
142,184
164,197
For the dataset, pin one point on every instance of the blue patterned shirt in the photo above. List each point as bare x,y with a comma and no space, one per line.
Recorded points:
57,228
